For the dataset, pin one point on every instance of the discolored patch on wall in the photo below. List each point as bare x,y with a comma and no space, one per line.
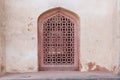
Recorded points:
92,66
114,69
30,24
14,70
33,38
97,40
2,68
30,18
101,69
29,29
30,68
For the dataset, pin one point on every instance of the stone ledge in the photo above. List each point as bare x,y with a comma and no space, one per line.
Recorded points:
59,75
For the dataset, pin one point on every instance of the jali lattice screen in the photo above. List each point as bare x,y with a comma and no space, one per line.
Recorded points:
58,40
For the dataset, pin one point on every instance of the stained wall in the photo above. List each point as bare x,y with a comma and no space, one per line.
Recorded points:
2,38
98,22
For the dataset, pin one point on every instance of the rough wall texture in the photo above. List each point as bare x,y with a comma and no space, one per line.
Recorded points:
98,22
2,38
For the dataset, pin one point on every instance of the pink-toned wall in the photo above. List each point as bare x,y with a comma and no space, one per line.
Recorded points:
98,35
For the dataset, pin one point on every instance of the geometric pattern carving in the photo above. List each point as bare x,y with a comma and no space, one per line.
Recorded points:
58,40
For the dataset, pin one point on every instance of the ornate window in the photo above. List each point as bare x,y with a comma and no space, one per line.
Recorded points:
58,40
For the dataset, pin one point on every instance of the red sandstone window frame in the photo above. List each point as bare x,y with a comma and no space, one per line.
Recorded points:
76,20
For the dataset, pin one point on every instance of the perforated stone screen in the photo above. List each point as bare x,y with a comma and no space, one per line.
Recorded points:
58,42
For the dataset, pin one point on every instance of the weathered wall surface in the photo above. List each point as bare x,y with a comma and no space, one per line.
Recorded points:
2,38
118,33
98,22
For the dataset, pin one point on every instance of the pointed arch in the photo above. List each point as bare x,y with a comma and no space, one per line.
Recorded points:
56,10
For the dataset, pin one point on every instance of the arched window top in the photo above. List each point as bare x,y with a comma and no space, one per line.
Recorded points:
53,11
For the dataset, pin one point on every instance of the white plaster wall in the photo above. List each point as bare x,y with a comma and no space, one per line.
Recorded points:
98,22
1,51
118,33
2,38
